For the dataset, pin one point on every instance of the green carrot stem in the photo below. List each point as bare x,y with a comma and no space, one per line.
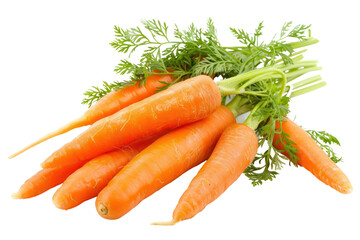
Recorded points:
232,86
306,82
307,42
307,89
292,75
302,64
239,105
296,58
254,120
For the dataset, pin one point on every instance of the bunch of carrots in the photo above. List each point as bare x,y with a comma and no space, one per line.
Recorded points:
174,113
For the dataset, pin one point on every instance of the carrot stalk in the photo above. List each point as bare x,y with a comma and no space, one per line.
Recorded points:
44,180
234,151
312,157
161,163
86,182
180,104
107,105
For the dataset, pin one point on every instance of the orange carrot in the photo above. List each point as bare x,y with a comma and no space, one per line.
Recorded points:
162,162
108,105
234,151
86,182
44,180
313,158
180,104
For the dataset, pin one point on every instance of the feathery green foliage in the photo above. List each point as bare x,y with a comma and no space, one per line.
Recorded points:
324,140
194,51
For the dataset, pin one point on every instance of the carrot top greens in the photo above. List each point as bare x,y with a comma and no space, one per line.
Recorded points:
325,139
194,51
256,76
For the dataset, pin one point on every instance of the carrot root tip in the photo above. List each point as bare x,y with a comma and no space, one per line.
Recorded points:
169,223
16,195
43,165
79,122
58,204
103,210
348,190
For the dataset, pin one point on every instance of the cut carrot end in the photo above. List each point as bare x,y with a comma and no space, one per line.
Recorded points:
102,209
169,223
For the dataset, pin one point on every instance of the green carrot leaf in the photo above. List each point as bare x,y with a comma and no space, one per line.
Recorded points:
325,140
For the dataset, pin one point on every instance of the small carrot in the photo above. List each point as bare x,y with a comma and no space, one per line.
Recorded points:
234,151
44,180
312,157
180,104
86,182
161,163
108,105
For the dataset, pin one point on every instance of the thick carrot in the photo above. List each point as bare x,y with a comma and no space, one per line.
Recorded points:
313,158
162,162
107,105
180,104
86,182
234,151
44,180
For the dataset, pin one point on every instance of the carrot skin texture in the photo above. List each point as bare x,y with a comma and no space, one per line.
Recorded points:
44,180
180,104
313,158
106,106
234,151
86,182
161,163
117,100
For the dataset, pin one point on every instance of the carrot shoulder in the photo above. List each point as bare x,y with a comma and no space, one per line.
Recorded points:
86,182
313,158
180,104
107,105
234,151
162,162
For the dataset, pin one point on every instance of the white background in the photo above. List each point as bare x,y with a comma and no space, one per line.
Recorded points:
51,52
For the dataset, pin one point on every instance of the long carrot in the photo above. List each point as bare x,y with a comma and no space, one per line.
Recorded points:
162,162
180,104
86,182
44,180
234,151
106,106
312,157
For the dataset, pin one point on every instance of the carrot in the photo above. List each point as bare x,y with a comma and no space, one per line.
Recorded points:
44,180
107,105
312,157
180,104
234,151
86,182
161,163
